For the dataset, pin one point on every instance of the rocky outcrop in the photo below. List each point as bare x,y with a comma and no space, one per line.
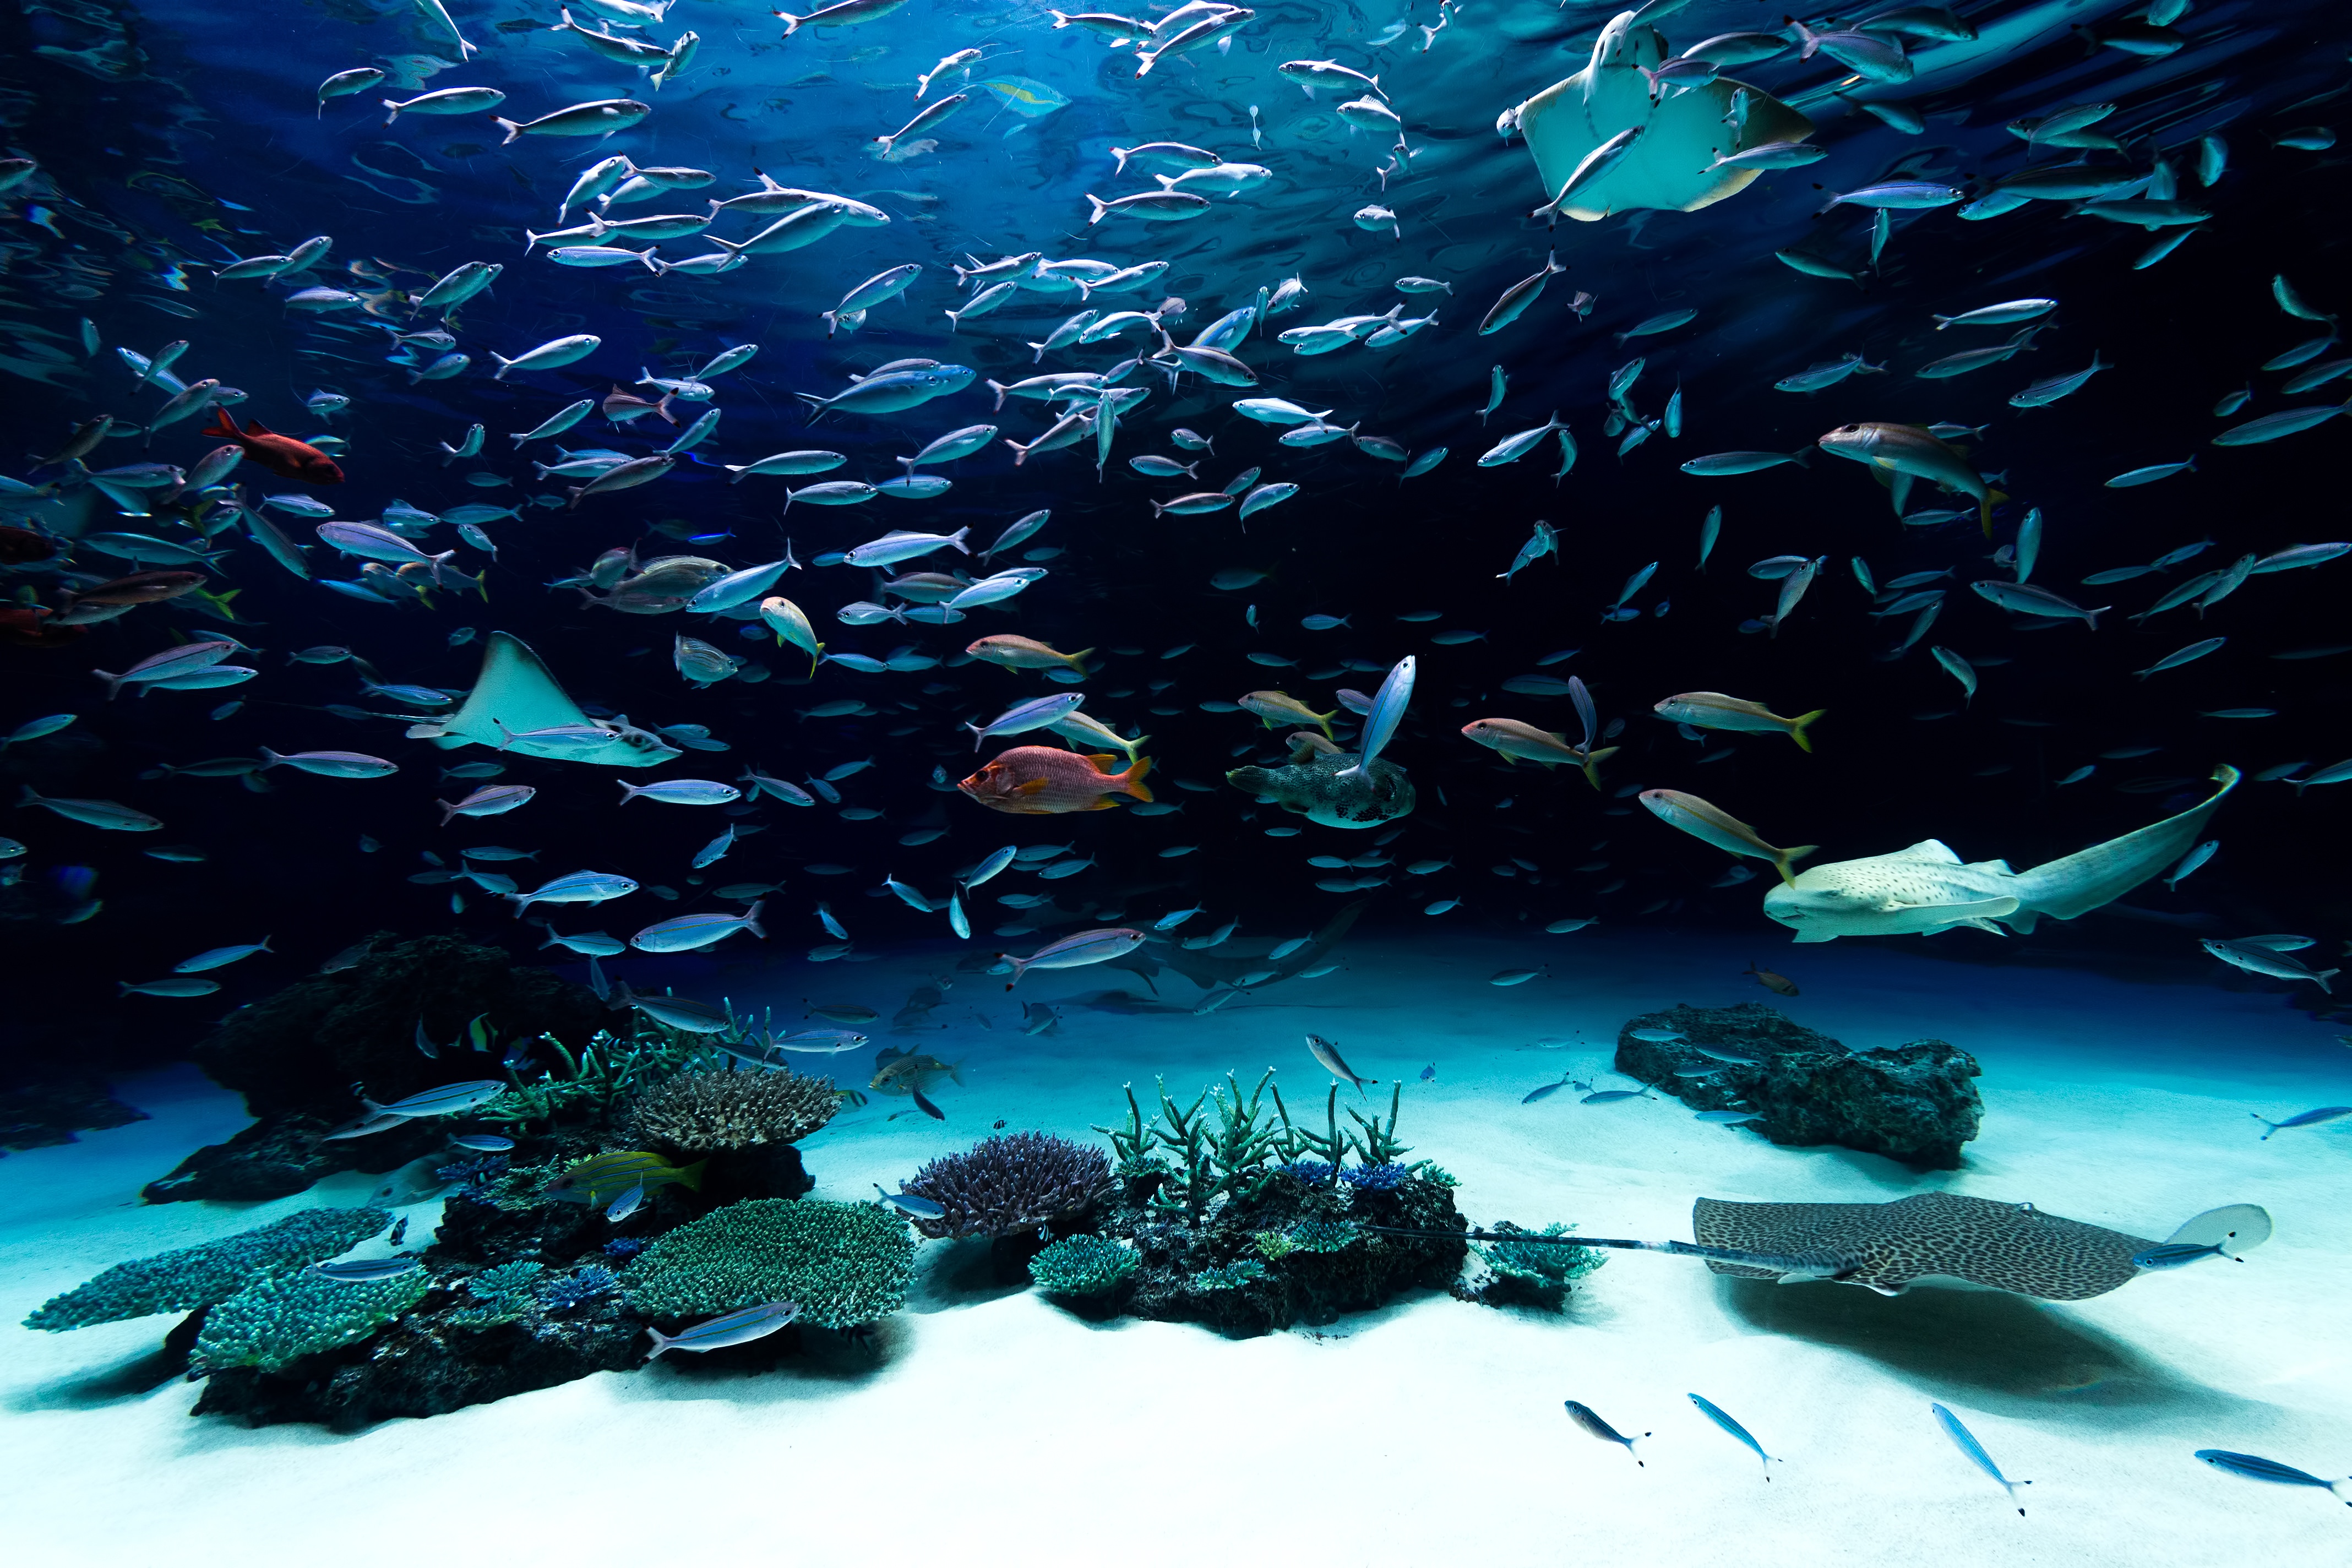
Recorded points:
1915,1102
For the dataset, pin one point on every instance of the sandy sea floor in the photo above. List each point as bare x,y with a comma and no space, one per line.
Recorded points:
997,1428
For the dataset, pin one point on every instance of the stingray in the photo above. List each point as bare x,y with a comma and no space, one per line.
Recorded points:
515,694
1932,1238
1671,165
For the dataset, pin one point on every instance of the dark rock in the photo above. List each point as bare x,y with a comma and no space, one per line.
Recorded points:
1297,1285
1912,1102
39,1115
282,1156
302,1048
427,1364
295,1056
764,1171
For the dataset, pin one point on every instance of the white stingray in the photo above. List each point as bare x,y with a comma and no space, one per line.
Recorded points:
1683,135
514,694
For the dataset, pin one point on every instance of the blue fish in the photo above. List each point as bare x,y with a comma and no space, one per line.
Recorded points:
1715,1413
2254,1467
1966,1441
734,1329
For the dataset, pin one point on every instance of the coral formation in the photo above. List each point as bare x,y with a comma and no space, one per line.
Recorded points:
499,1295
1082,1265
1243,1218
189,1277
1912,1102
294,1057
845,1264
280,1317
1528,1274
703,1111
1015,1180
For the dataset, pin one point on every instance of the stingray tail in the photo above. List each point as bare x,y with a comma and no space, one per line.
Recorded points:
2082,881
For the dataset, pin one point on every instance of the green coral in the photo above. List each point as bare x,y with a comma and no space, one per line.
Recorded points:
845,1264
1533,1273
1273,1244
191,1276
608,1069
280,1317
499,1295
1323,1235
1082,1265
1232,1277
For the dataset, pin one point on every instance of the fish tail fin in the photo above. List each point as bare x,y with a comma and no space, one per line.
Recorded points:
1799,724
2092,617
222,424
1078,660
1802,457
1984,510
1100,206
752,919
791,23
448,811
388,103
2322,977
511,127
1783,861
629,792
662,1341
691,1176
1136,771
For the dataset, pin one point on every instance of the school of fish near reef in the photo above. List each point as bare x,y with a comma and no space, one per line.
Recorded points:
1422,451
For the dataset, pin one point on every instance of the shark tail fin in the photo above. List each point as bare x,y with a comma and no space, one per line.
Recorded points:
2062,889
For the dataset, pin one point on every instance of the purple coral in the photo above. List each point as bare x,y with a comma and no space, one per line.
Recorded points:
1009,1182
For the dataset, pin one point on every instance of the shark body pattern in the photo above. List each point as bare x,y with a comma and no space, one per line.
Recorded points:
1927,888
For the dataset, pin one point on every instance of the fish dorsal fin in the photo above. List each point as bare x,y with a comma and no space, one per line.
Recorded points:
1104,762
1999,866
255,428
1934,851
905,533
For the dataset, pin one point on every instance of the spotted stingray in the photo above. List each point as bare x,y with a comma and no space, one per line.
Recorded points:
1946,1239
1932,1238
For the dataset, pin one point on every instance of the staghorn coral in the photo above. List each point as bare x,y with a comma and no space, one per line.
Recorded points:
499,1295
845,1264
1009,1182
1082,1265
280,1317
702,1112
191,1276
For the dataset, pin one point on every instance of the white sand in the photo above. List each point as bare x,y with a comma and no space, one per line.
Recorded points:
999,1430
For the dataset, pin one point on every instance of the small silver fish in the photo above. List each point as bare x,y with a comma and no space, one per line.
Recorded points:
1584,1416
1328,1054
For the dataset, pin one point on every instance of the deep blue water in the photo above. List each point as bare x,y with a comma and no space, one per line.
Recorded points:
173,138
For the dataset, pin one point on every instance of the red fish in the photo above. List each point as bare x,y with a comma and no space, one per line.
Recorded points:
281,455
1045,781
31,625
21,545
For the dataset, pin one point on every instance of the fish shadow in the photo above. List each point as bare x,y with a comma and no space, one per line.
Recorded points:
1999,1352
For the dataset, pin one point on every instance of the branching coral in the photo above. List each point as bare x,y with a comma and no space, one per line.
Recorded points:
1232,1277
500,1295
845,1264
280,1317
1013,1182
1532,1274
607,1070
701,1112
1082,1265
192,1277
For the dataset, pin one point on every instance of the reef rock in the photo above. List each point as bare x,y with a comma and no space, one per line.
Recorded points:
295,1056
1911,1102
38,1115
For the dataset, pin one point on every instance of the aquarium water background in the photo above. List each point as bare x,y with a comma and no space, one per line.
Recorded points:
1479,971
